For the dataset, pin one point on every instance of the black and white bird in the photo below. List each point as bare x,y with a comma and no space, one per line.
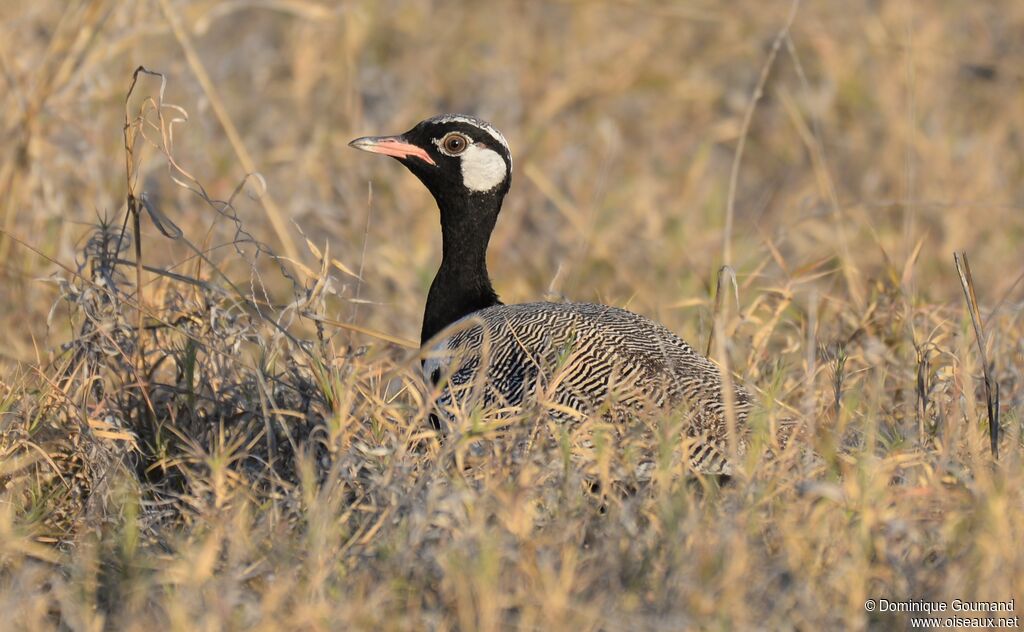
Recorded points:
579,358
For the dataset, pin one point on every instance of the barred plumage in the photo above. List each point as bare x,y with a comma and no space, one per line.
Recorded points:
576,359
581,359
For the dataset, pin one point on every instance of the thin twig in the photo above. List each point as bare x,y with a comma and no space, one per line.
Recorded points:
362,255
963,268
748,117
718,317
134,211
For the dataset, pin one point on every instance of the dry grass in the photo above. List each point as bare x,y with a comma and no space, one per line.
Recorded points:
256,464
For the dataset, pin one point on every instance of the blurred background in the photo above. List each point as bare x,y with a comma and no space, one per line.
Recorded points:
887,135
274,472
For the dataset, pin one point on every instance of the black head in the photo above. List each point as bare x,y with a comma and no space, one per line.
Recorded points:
454,155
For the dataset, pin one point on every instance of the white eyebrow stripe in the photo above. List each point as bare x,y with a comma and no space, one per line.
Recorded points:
471,120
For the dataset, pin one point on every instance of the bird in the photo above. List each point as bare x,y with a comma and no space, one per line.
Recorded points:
583,359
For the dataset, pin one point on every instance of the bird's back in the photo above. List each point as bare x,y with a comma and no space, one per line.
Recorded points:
581,360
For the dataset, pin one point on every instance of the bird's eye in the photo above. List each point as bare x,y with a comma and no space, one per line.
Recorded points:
455,144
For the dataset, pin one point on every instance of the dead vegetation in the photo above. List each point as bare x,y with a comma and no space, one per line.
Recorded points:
209,416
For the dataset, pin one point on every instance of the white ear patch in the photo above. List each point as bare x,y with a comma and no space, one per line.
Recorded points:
482,168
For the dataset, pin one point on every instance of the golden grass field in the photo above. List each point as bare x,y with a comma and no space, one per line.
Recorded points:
243,444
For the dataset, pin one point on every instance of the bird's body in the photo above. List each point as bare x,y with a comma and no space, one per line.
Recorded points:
579,360
576,360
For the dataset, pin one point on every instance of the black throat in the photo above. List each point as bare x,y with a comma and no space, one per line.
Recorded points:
462,285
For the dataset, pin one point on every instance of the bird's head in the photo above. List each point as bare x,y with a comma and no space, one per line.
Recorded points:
457,157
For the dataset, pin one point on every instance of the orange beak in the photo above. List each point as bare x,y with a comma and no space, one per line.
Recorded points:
394,146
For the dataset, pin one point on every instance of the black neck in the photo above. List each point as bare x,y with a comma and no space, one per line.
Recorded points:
462,285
